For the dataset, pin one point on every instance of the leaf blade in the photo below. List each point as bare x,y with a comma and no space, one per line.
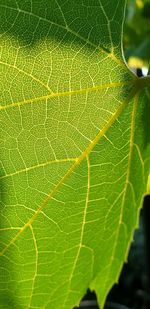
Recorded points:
55,121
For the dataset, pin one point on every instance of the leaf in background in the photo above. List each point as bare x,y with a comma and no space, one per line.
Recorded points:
74,151
136,32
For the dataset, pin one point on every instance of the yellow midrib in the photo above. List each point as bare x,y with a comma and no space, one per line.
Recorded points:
69,93
74,165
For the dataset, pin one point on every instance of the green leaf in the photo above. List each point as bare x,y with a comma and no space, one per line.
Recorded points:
136,32
75,151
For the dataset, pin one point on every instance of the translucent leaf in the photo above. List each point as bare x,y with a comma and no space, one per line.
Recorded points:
75,151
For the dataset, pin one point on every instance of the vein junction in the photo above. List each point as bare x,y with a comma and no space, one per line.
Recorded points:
70,170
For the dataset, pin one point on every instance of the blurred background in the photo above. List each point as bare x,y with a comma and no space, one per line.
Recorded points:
133,289
137,35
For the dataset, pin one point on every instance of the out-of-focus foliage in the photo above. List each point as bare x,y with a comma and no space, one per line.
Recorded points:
137,32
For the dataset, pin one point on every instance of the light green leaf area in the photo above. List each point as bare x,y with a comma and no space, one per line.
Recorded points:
75,151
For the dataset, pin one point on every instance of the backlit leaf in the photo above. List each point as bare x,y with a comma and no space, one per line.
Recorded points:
75,151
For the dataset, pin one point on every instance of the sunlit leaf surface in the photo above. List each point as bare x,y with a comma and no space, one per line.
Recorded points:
75,151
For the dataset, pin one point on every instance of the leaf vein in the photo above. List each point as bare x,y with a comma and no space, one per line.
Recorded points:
71,169
68,93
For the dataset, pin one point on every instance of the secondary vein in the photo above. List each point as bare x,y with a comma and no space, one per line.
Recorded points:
67,93
71,169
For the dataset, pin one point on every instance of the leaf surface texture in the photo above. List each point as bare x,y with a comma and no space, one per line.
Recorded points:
75,151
